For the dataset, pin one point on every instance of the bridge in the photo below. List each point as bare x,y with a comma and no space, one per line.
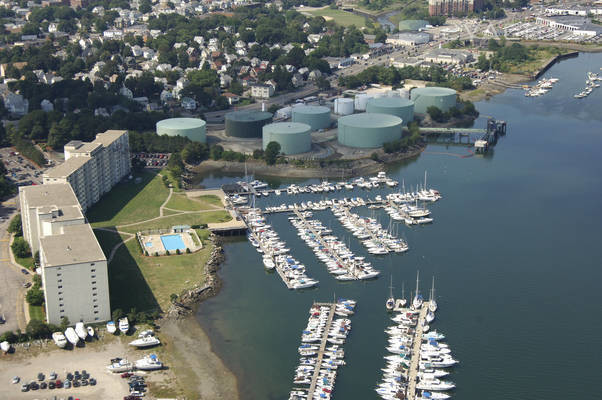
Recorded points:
466,131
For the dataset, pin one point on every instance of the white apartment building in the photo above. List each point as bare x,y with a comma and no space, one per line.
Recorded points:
93,168
74,268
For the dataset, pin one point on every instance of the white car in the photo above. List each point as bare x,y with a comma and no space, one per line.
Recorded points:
16,380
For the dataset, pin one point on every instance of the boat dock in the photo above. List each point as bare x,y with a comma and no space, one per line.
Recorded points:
414,363
316,375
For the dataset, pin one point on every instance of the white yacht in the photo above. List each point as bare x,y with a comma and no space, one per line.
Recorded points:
390,304
71,336
111,328
435,384
268,262
120,365
145,341
90,331
124,325
149,363
5,346
80,330
59,339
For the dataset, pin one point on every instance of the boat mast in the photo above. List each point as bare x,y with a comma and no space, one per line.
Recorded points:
417,277
403,293
425,179
433,289
391,288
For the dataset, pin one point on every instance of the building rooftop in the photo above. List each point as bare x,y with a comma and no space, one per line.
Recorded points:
63,213
58,194
78,146
109,136
67,168
77,244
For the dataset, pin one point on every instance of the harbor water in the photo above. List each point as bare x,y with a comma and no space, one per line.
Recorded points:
514,248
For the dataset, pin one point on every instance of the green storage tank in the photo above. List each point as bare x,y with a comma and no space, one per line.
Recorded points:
293,137
397,106
368,130
318,117
247,124
442,98
193,128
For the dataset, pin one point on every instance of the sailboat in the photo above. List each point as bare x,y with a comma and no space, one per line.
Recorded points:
418,300
432,301
402,302
390,304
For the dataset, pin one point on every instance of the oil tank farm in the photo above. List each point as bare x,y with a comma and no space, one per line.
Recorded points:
402,108
293,137
442,98
247,124
368,130
318,117
343,106
194,129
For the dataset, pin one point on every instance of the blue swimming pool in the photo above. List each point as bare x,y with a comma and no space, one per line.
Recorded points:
173,242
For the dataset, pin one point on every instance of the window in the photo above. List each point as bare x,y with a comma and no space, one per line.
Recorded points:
60,293
93,276
62,311
61,305
92,264
94,294
60,287
59,274
60,280
94,282
95,312
95,305
94,287
60,299
96,319
92,270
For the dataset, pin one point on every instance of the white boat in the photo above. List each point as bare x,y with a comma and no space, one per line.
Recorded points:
435,384
432,301
145,341
149,363
429,317
390,304
90,331
268,262
80,330
71,336
121,365
433,396
418,300
111,328
59,339
124,325
5,346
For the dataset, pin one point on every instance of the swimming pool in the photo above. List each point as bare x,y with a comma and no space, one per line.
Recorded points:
173,242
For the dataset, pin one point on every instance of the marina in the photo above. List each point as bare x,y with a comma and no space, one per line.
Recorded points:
319,364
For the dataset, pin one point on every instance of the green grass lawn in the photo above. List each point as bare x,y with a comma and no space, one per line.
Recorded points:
130,202
183,203
37,312
26,262
107,240
343,18
203,234
147,282
537,59
181,219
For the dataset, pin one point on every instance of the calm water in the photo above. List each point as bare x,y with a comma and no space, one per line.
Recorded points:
515,249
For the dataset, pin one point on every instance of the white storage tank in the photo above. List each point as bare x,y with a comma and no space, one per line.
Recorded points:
343,106
392,93
404,93
361,100
284,113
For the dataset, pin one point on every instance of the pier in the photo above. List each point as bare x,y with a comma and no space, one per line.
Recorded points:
316,375
415,361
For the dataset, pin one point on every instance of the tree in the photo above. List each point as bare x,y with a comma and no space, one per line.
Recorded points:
37,329
35,297
64,323
20,248
117,314
9,337
257,154
15,226
216,152
271,152
323,83
435,113
483,63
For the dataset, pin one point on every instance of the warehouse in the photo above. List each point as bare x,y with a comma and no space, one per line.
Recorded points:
193,128
397,106
368,130
442,98
318,117
293,137
247,124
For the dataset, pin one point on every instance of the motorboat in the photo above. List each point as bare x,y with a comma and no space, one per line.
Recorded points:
435,385
59,339
90,331
433,396
120,365
5,346
145,341
80,330
124,325
268,262
111,328
71,336
149,363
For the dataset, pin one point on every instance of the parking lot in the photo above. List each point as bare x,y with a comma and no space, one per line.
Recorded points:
19,169
533,31
152,160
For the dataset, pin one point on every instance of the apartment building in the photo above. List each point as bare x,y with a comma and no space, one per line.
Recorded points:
93,168
454,7
74,268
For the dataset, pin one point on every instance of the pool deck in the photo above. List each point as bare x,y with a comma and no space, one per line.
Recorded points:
157,245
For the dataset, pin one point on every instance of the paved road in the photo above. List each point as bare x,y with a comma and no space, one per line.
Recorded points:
11,279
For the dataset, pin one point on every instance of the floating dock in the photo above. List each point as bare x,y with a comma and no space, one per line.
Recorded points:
314,378
414,363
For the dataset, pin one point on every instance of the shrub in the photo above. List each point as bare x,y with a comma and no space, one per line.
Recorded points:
173,297
178,251
187,250
15,226
9,337
35,296
20,248
374,156
117,313
37,329
166,252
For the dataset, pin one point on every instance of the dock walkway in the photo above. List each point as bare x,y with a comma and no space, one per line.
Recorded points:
415,361
316,375
363,224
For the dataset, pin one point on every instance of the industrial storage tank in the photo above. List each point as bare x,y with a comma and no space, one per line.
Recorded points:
194,129
404,93
318,117
368,130
293,137
360,101
402,108
246,124
442,98
343,106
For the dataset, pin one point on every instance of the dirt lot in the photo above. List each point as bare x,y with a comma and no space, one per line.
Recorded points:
93,358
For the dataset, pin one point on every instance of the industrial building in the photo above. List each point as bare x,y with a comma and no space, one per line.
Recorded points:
293,137
343,106
409,39
194,129
92,169
74,267
318,117
368,130
247,124
397,106
442,98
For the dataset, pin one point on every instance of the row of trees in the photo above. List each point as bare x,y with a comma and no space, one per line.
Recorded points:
505,56
463,108
405,142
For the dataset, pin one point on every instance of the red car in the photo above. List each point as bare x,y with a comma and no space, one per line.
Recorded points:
126,375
